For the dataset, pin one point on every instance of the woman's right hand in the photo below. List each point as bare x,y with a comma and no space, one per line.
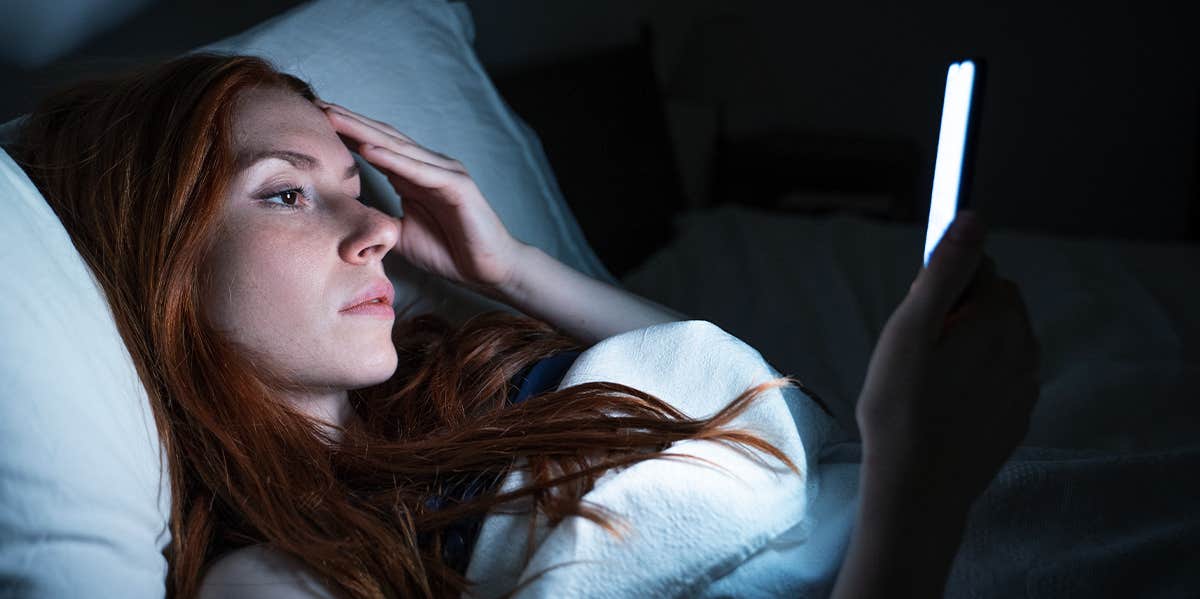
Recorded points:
448,228
947,397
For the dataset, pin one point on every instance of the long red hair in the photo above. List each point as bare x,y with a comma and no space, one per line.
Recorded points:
135,166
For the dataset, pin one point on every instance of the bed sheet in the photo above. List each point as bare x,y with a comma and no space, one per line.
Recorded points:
1117,322
1054,523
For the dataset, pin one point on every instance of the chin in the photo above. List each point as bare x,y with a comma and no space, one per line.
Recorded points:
377,371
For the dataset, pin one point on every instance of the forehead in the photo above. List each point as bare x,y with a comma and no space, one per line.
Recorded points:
268,116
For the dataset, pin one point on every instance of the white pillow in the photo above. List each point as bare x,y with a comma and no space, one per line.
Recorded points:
81,508
80,502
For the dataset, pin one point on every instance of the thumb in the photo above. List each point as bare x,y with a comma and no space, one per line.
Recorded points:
951,267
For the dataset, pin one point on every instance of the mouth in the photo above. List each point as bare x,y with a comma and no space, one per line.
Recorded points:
376,301
375,298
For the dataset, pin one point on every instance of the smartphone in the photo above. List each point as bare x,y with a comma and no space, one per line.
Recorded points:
953,168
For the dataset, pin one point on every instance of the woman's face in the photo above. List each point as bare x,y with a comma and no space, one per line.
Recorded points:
296,248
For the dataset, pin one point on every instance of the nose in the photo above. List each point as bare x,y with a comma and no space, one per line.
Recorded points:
371,235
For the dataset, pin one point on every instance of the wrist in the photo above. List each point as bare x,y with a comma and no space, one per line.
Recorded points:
902,543
891,488
514,289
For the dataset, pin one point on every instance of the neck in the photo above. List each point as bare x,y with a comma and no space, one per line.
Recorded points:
330,408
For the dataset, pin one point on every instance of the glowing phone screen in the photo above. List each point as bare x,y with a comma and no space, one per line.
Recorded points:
952,139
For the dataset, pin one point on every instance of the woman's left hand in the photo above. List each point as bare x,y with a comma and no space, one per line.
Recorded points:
448,227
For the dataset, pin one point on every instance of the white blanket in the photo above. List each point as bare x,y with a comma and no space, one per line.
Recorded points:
1054,522
689,523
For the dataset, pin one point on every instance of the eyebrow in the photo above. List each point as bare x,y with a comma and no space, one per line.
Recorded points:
301,161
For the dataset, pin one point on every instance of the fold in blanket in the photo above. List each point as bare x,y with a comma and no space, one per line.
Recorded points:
686,523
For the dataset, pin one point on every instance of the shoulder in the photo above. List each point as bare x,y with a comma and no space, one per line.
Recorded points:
260,571
694,334
695,346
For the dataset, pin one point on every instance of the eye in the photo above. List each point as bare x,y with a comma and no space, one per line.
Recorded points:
286,198
290,196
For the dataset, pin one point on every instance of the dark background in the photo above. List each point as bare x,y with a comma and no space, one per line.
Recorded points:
1090,126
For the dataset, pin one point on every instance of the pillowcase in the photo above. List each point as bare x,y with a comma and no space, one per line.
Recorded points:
82,505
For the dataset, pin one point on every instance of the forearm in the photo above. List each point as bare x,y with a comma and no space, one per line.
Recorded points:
583,307
902,545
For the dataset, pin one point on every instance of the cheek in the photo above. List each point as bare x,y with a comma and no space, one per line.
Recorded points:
274,289
264,291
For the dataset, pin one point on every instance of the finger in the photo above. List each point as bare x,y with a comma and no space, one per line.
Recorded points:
377,124
951,268
991,335
410,169
1019,328
1032,344
978,325
365,119
985,276
363,133
373,132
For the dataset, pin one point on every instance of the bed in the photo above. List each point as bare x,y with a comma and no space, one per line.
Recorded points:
1116,320
1100,500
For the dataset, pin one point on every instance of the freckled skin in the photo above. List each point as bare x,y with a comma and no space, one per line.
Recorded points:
278,276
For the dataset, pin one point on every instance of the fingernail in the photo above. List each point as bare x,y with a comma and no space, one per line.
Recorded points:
966,227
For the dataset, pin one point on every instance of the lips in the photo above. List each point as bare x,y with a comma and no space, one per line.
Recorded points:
378,292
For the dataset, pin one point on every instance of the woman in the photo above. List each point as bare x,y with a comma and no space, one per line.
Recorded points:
216,200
